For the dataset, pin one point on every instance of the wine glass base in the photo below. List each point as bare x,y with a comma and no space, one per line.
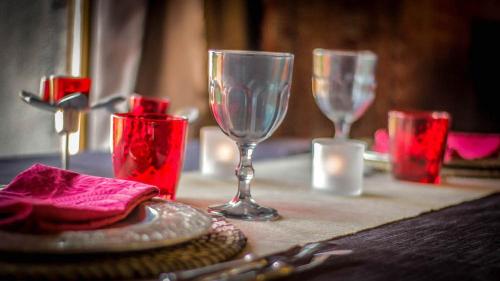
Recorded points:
244,210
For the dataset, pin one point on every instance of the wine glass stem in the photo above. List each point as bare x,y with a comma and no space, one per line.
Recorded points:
245,171
342,129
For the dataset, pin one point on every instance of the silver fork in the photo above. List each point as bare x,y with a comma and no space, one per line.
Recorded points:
249,263
280,269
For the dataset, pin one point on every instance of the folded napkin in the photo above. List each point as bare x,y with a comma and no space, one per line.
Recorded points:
48,199
472,146
468,146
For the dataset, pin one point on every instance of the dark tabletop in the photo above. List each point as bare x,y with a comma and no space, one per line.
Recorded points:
457,243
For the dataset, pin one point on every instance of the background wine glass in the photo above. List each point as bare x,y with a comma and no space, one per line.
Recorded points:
249,94
343,84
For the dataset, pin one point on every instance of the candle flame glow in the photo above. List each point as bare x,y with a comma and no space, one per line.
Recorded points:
225,152
334,165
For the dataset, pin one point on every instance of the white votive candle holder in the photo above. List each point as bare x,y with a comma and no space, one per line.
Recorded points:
337,166
218,153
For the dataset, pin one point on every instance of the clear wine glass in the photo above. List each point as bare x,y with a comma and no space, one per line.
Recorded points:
343,84
249,94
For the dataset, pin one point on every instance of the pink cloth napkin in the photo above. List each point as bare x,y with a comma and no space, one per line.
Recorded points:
472,146
460,145
48,199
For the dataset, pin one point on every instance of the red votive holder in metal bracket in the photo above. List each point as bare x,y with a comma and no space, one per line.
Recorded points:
68,98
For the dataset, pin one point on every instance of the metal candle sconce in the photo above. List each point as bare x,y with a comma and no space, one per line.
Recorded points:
67,98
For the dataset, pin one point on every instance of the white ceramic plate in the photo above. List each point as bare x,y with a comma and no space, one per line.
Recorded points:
155,223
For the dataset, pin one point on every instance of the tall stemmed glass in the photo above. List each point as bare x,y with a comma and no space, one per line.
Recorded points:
343,84
249,94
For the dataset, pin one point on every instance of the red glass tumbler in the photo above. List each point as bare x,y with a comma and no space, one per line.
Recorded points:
149,148
417,144
140,104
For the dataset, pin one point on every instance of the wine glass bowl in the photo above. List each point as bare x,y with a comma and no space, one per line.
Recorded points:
248,95
343,85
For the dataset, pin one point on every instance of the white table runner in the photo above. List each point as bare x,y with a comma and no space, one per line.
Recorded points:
307,215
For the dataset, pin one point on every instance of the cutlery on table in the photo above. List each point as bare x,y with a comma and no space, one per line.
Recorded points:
280,269
222,271
192,274
197,272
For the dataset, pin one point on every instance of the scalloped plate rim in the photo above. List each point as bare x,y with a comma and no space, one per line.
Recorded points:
110,246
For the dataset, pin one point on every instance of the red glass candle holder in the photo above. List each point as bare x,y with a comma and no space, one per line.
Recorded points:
140,104
417,144
149,148
54,88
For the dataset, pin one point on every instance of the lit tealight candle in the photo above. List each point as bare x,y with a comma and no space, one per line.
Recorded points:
224,152
218,153
334,165
338,166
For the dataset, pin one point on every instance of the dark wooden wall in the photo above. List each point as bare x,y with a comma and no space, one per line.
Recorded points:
431,54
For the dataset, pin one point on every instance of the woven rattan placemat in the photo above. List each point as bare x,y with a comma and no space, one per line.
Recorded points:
222,243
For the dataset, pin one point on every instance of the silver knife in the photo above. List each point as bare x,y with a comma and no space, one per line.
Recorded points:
280,269
294,255
248,262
